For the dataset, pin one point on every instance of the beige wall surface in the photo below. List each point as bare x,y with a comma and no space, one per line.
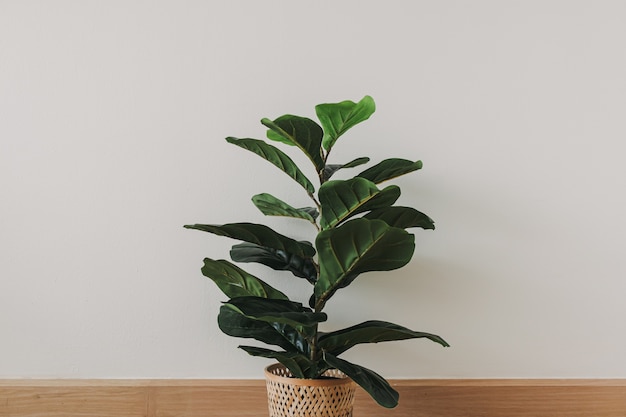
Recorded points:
112,124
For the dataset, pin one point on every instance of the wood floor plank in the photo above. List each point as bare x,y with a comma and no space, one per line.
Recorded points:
199,401
246,398
74,401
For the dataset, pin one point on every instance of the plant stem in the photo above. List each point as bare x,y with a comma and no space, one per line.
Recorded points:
317,204
313,353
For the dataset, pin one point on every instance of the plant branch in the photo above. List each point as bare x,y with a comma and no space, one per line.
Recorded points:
317,204
313,345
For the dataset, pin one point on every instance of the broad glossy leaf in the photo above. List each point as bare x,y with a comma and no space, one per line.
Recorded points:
236,324
402,217
370,332
390,168
360,245
342,199
337,118
276,311
299,365
370,381
272,206
276,157
235,282
356,162
298,131
330,169
259,234
312,211
294,337
276,259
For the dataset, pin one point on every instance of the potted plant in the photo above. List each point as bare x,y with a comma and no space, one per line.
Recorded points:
356,229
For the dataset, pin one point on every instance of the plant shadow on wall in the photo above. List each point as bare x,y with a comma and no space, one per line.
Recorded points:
356,229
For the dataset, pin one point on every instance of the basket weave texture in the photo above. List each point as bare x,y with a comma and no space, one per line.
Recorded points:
292,397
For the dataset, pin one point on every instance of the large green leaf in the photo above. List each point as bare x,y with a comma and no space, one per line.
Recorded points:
272,206
276,157
295,337
337,118
390,168
276,311
235,324
235,282
358,246
341,199
276,259
373,331
374,384
312,211
330,169
402,217
298,131
259,234
299,365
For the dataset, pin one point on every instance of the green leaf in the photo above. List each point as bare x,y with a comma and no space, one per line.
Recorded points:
276,157
272,206
360,245
390,168
402,217
342,199
297,363
294,337
235,282
236,324
370,332
311,211
329,170
259,234
276,259
374,384
276,311
298,131
337,118
356,162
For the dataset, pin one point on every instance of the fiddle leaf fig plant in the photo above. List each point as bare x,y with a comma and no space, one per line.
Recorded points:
356,229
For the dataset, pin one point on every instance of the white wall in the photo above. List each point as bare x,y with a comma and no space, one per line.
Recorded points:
112,119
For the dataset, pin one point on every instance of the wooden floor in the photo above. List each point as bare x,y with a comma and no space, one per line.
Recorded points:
246,398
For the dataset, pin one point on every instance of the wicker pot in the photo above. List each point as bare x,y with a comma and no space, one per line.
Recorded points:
293,397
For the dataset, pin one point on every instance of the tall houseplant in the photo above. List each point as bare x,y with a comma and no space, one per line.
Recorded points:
357,229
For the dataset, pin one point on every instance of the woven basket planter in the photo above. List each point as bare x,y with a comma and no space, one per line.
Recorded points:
293,397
